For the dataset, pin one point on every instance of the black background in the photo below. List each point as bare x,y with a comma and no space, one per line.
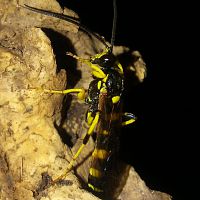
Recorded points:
161,146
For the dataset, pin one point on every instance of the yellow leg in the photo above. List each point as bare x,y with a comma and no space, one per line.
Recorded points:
130,119
85,140
80,92
97,72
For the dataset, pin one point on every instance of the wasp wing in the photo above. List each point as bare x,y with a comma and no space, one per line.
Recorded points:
106,172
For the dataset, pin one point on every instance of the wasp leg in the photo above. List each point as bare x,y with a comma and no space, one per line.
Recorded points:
80,92
85,140
97,72
129,118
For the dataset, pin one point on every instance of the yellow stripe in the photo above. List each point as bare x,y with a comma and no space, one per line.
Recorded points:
115,99
103,89
105,79
97,72
105,132
94,188
95,172
99,55
89,118
99,85
120,68
130,121
94,123
100,153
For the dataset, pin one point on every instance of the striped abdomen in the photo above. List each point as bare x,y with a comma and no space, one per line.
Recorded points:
106,144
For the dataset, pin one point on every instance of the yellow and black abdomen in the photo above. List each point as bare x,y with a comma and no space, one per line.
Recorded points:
104,156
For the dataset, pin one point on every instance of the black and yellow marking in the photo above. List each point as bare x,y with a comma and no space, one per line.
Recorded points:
104,150
104,115
106,147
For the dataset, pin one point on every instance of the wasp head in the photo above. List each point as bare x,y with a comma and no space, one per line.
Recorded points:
105,61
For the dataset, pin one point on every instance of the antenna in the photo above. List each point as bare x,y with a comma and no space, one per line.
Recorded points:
70,19
114,24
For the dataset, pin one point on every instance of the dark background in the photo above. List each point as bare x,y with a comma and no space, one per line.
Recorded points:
161,145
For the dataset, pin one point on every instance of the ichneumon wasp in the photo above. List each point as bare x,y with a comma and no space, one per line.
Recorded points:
104,115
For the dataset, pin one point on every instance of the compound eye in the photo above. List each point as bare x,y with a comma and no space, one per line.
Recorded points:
106,60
